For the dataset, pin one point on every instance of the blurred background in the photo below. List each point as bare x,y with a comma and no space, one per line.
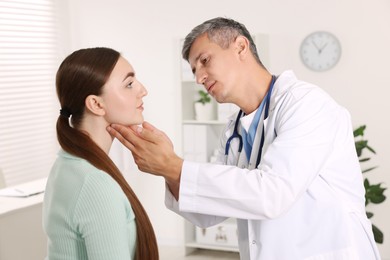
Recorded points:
149,33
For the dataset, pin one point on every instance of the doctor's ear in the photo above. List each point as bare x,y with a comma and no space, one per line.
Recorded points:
242,44
94,104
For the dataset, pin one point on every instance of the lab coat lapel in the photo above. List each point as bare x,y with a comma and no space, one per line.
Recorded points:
256,143
242,160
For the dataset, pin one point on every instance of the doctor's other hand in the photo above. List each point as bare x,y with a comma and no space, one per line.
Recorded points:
152,151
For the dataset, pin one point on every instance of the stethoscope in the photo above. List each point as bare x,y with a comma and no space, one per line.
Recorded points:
237,135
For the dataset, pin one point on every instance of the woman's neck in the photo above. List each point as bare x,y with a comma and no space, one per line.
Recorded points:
95,127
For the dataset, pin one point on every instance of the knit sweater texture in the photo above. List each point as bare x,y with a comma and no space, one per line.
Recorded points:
86,215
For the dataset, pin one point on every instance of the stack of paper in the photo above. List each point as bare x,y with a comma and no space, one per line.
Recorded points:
24,190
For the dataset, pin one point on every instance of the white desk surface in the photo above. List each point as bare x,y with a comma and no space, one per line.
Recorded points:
10,204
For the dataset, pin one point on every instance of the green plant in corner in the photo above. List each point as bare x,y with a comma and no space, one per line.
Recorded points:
374,192
204,97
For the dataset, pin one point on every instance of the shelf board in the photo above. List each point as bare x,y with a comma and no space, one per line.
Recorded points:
189,81
212,247
197,122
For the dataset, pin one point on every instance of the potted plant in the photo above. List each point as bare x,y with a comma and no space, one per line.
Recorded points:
374,192
203,107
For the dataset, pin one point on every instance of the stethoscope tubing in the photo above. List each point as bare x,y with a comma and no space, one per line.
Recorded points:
237,135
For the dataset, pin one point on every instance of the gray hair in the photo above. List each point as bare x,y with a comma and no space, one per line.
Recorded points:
222,31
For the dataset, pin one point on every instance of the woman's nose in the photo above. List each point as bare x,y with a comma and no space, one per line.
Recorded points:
144,91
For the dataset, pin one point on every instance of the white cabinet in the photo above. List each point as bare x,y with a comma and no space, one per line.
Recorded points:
21,232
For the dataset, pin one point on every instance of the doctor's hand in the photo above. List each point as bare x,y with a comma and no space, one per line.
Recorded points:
152,151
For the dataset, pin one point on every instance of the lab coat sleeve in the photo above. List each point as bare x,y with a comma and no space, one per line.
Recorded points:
200,220
306,121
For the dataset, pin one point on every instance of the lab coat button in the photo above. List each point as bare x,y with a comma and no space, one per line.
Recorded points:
253,242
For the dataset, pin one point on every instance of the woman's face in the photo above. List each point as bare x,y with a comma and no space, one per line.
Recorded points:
122,95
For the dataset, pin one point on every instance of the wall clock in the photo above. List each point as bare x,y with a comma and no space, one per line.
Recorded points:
320,51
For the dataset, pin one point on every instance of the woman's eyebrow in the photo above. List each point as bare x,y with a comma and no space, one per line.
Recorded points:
129,74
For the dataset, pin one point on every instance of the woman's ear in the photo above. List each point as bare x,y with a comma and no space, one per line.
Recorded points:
94,104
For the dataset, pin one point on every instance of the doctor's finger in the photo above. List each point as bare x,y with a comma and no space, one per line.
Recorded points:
122,134
147,134
147,125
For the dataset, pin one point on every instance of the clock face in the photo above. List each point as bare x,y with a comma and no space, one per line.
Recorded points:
320,51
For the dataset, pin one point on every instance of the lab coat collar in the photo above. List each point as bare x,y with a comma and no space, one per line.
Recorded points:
283,80
282,84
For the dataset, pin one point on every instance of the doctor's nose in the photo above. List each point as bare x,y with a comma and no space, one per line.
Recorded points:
201,76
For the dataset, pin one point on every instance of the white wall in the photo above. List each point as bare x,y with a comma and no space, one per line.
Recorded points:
147,33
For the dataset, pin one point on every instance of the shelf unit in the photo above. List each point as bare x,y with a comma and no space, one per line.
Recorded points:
199,141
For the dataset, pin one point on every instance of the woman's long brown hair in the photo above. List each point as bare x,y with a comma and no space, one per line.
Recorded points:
84,73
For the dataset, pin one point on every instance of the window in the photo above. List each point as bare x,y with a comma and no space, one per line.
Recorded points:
28,104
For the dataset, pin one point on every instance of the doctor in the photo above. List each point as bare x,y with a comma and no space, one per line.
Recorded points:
295,188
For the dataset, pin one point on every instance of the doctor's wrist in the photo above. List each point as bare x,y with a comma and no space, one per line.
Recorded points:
172,176
173,171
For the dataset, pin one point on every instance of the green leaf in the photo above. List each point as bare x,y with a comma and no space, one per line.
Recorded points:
374,193
360,145
204,97
366,183
378,235
370,149
359,131
364,159
369,169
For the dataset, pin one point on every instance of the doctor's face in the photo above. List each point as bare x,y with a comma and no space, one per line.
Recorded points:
214,67
122,95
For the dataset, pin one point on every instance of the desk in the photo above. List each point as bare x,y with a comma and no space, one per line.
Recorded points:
21,232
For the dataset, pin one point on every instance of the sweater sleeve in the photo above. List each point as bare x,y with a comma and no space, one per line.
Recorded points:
101,219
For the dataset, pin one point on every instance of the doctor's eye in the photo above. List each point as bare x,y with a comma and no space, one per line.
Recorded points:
204,60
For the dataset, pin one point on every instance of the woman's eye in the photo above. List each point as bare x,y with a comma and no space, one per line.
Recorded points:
204,60
130,85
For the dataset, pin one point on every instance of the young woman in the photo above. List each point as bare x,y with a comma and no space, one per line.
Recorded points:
90,211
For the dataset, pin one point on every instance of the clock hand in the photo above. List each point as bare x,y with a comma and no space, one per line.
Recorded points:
315,45
323,47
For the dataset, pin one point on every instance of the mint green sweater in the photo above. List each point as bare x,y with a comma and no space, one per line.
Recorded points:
86,215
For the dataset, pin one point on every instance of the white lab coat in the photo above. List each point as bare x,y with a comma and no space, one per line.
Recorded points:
306,198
